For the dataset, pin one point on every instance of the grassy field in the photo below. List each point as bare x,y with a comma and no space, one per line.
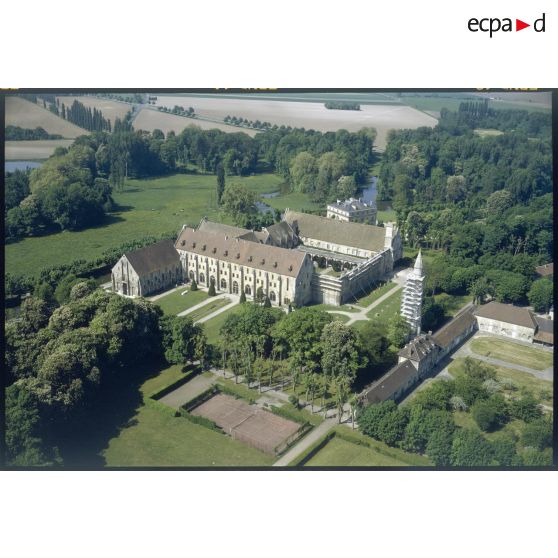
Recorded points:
212,327
542,389
209,308
387,309
158,440
23,113
514,353
165,378
177,302
375,294
295,201
146,207
341,453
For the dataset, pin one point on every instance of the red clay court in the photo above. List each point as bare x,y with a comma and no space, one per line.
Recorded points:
249,424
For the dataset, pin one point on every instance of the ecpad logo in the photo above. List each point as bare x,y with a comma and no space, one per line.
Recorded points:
493,25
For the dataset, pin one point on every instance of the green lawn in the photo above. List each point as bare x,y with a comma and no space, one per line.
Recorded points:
177,302
159,440
375,294
341,453
146,207
208,308
385,215
387,309
165,378
514,353
212,327
542,389
326,307
294,200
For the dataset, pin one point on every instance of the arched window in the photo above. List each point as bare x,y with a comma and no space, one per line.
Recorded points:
248,290
191,274
272,296
202,278
223,284
235,287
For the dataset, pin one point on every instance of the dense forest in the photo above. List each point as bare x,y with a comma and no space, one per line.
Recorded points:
484,202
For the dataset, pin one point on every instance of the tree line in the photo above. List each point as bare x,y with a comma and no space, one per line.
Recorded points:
16,133
427,425
64,364
84,117
342,105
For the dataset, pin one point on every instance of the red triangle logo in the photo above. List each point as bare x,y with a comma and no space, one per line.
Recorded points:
519,25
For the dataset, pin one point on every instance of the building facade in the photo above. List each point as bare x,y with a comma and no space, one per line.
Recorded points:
238,266
352,211
148,270
507,320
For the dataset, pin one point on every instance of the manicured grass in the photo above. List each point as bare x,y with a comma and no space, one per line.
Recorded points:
375,294
156,439
487,132
514,353
542,389
177,302
208,308
212,327
326,307
165,378
341,317
295,201
387,309
342,453
386,215
146,207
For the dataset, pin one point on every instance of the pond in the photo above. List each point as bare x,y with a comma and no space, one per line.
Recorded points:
370,193
11,166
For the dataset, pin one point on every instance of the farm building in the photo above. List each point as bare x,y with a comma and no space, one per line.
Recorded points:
148,270
507,320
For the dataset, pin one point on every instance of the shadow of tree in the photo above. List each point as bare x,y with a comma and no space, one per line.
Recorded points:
116,408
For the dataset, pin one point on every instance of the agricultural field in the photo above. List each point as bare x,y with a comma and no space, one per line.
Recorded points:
339,452
514,353
111,109
309,115
176,301
34,149
149,120
25,114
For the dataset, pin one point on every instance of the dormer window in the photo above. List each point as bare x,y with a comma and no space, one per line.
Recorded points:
290,268
238,255
263,260
204,247
193,244
226,252
274,264
182,243
214,250
249,258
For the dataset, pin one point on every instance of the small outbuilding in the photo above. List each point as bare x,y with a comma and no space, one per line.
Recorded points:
507,320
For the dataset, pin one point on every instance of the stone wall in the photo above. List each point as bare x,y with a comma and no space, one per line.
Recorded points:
497,327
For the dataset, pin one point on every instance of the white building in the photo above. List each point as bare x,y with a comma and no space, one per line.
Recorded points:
352,210
507,320
411,301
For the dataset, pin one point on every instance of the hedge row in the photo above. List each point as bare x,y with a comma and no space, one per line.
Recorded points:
202,421
168,389
154,404
239,393
288,414
195,401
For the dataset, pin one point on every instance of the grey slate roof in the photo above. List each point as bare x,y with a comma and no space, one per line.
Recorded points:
419,347
445,335
507,313
397,377
220,228
241,252
153,257
352,204
358,235
545,331
545,270
281,233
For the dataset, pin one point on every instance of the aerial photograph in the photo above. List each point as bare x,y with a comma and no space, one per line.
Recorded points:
278,278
